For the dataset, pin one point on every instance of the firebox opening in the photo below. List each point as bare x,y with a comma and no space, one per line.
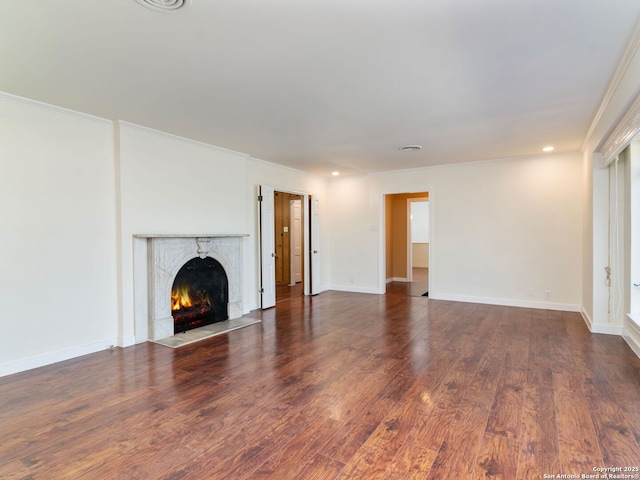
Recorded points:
199,295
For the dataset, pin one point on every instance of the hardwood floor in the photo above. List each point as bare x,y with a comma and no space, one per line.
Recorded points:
337,386
287,292
416,288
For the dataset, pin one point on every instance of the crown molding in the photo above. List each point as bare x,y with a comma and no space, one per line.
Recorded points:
632,47
627,128
53,108
290,169
135,126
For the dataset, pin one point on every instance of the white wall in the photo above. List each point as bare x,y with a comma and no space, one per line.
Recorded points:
58,260
498,230
355,206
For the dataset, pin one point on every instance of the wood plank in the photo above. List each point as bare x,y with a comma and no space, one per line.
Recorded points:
459,451
319,468
287,461
410,462
374,457
539,452
576,434
505,418
497,458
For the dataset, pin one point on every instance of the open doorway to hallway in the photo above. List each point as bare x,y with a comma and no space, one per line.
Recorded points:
289,245
407,243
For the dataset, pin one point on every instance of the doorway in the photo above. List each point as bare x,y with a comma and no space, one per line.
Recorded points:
289,245
407,243
310,269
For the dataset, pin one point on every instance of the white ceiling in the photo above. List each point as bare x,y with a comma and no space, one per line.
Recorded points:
332,84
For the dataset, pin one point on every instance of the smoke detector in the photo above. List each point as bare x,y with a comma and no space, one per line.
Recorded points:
411,148
164,5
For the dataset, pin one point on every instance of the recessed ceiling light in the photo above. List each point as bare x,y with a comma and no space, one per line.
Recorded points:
548,149
411,148
335,173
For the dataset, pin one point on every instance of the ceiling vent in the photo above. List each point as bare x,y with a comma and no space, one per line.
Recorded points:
411,148
164,5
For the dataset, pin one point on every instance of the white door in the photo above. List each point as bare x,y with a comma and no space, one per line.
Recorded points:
296,241
267,248
314,248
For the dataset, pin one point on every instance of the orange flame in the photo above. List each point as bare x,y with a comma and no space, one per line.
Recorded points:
180,298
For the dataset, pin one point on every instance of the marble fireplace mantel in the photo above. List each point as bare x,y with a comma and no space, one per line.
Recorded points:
167,253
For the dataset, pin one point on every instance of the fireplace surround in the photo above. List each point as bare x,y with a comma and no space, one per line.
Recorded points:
167,254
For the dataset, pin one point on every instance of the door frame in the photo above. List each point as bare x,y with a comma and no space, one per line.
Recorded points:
305,235
382,238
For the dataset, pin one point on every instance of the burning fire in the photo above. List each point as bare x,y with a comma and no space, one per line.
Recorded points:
180,298
183,297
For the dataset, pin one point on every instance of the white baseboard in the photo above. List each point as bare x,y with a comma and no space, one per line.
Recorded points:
507,302
631,332
600,328
586,318
126,341
55,357
635,346
354,289
606,329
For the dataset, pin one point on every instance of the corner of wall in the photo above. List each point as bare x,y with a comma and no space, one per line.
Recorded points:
586,318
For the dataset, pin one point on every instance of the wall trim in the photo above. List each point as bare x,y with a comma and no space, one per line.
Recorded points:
354,289
606,329
507,302
55,357
586,318
126,341
627,128
286,167
54,108
173,136
614,83
632,344
631,332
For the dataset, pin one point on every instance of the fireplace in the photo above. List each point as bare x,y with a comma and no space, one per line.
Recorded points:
199,294
200,274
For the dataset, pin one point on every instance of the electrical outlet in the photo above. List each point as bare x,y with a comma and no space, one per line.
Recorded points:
531,292
547,294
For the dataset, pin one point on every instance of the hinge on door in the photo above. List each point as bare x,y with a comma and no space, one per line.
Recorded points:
262,290
259,198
